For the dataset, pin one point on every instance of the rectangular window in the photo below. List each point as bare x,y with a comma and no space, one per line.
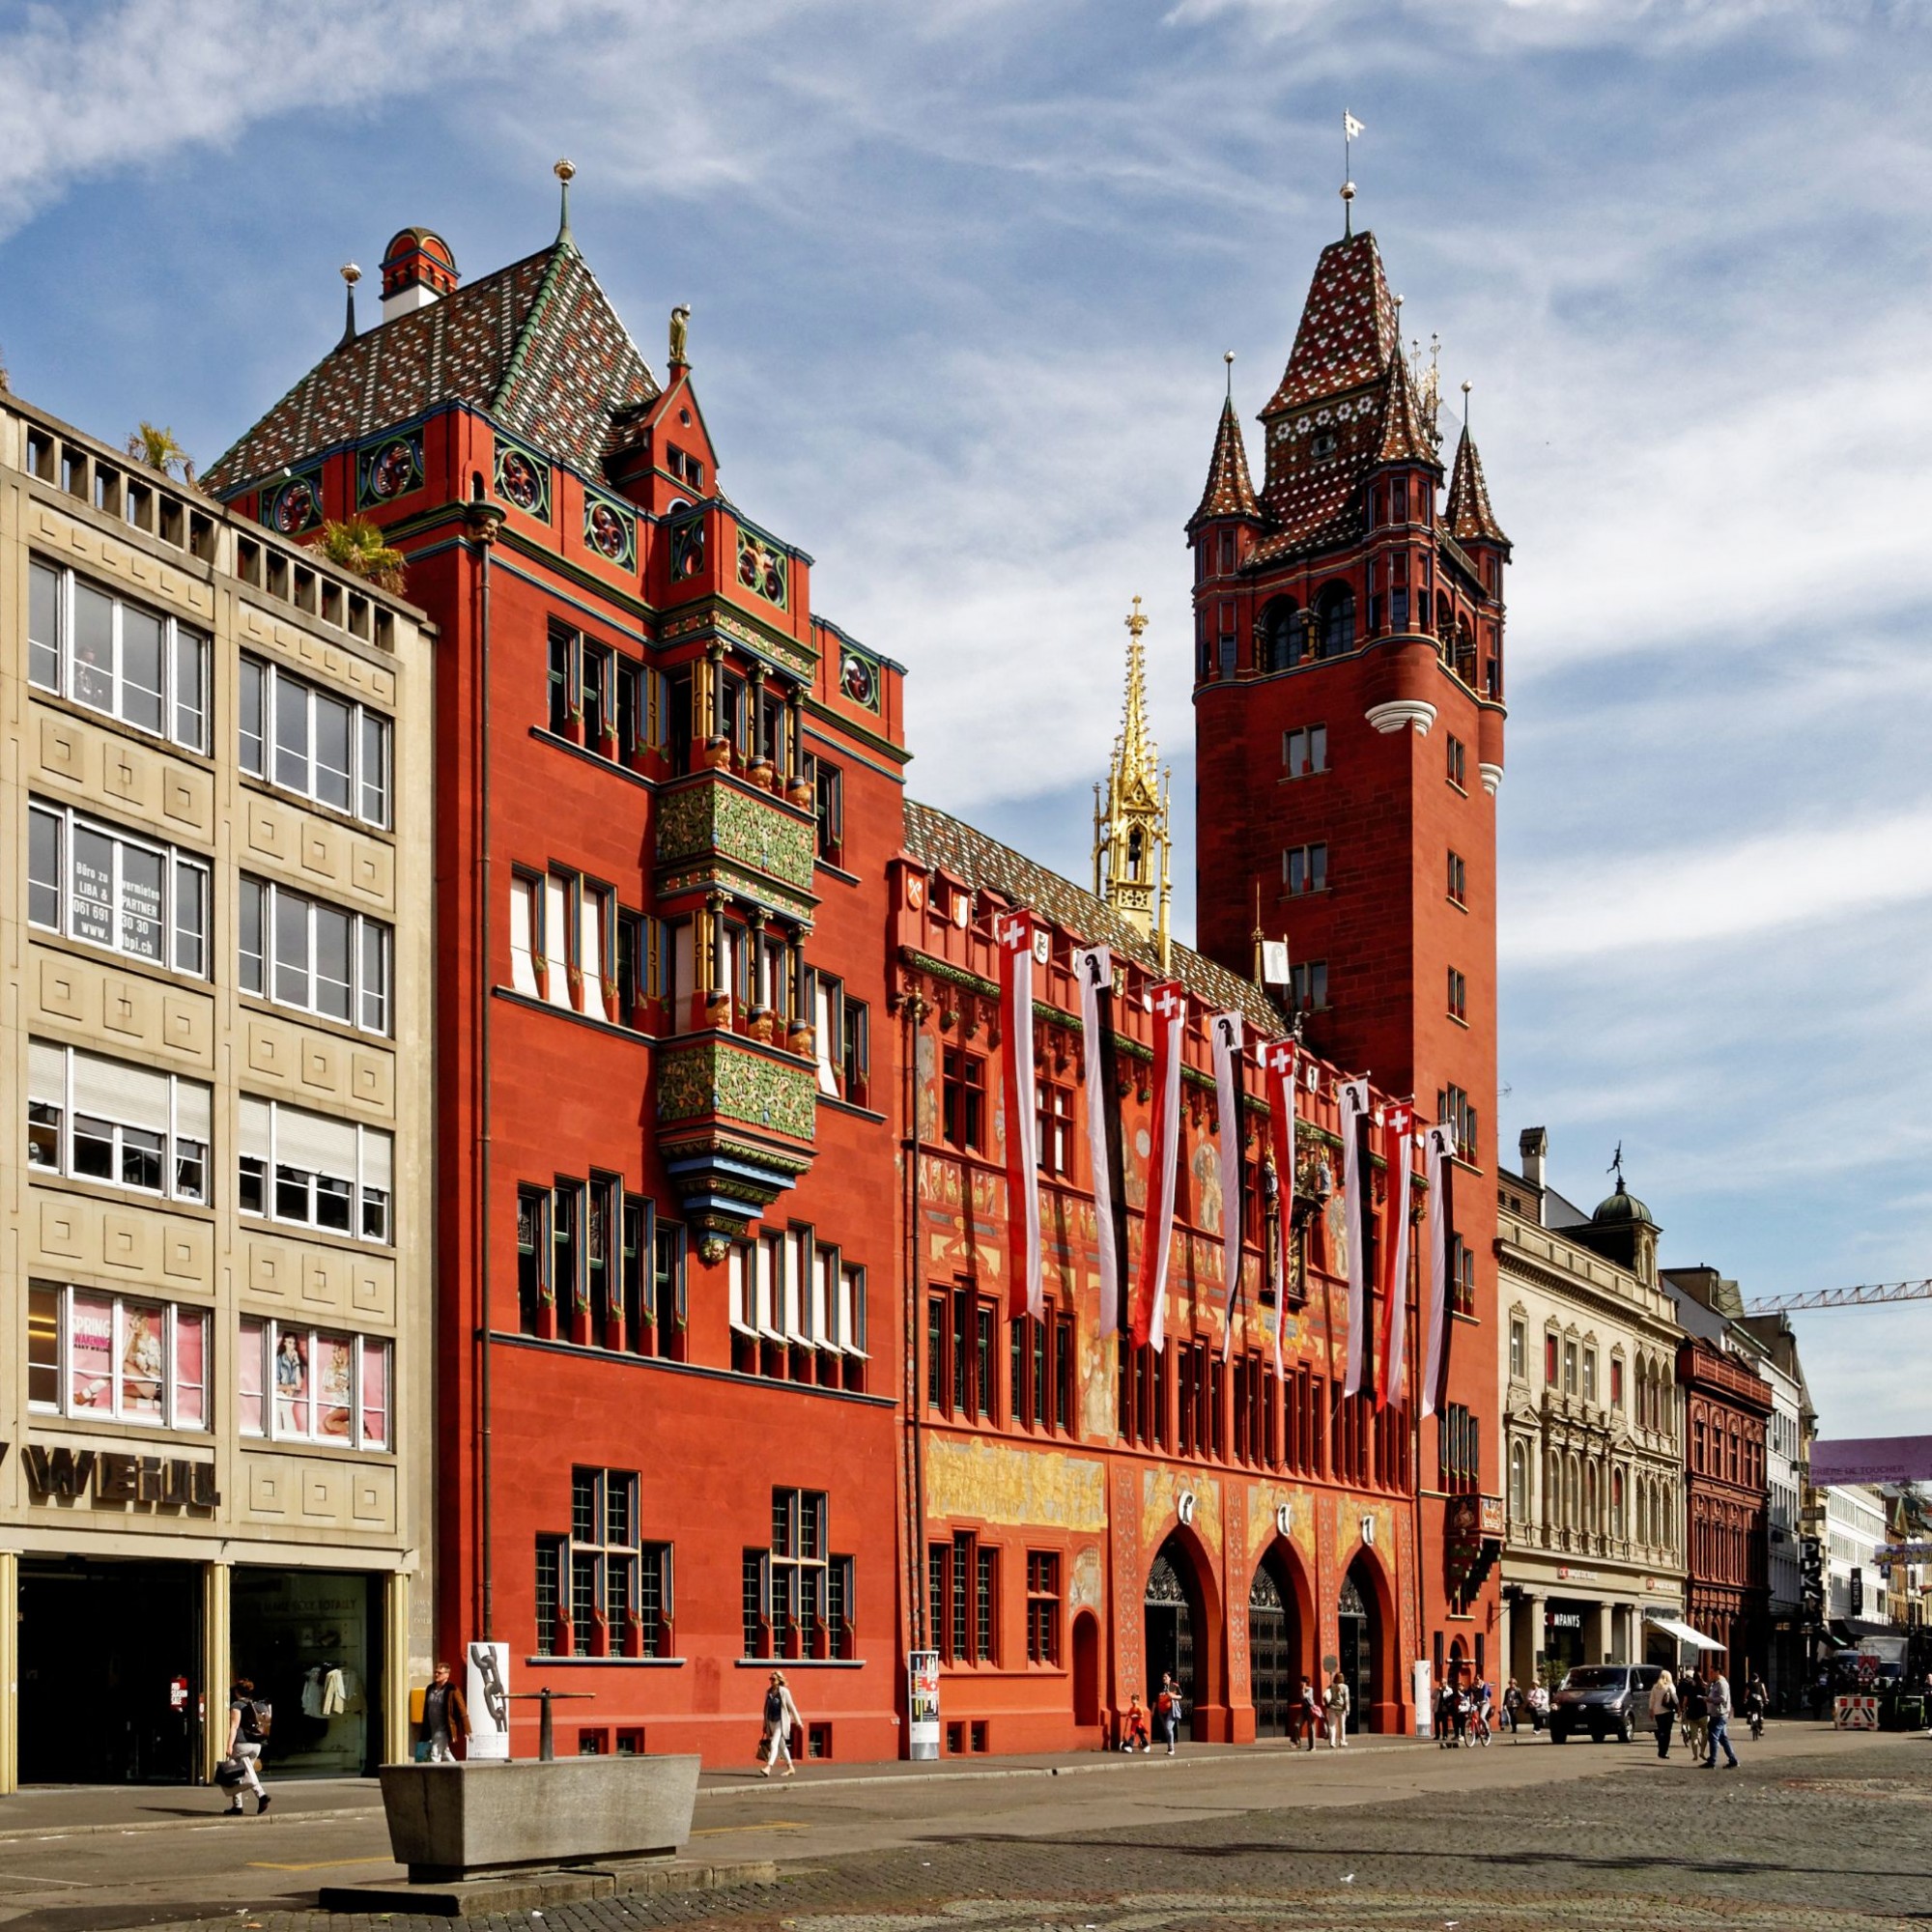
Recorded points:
855,1051
302,1384
613,1588
1305,752
90,1118
303,739
1616,1381
1042,1607
828,804
1308,984
93,647
134,896
1517,1340
305,953
1054,1121
311,1170
1589,1375
1304,868
806,1588
1455,1111
1458,766
1459,996
591,686
963,1098
1569,1368
1549,1348
1459,880
95,1354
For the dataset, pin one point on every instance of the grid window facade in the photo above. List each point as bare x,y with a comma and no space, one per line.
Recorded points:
963,1100
135,896
97,650
800,1594
329,750
1042,1607
303,953
1305,752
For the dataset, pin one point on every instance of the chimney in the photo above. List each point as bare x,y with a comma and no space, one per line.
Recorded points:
1533,1149
417,270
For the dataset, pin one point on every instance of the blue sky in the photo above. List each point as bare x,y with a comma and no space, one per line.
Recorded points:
961,277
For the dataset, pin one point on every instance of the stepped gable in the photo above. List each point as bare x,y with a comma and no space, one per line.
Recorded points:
1230,491
1467,513
536,345
935,838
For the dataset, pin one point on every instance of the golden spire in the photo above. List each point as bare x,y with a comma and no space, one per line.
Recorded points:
1130,823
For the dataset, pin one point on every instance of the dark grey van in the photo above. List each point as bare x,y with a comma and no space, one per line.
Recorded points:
1608,1700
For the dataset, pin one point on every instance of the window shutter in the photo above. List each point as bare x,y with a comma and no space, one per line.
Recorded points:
135,1096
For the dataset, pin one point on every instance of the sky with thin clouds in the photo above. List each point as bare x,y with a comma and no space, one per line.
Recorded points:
961,276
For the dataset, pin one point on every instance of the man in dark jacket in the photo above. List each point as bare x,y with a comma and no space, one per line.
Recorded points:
444,1717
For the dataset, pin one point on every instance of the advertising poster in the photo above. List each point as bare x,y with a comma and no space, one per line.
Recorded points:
1424,1699
488,1695
923,1703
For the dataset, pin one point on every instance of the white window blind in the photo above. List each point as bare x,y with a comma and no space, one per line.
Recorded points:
136,1096
315,1143
799,1323
825,1297
590,949
254,1127
522,916
191,1110
741,1314
46,1072
765,1312
828,1072
377,1159
556,933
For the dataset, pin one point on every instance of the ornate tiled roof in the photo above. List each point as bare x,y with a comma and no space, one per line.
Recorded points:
1347,326
1405,437
1467,513
537,345
935,838
1230,491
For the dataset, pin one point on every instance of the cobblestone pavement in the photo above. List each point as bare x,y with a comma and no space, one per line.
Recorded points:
1799,1843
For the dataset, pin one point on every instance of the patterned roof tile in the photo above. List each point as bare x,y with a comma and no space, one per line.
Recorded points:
1230,491
935,838
1468,512
1347,326
537,345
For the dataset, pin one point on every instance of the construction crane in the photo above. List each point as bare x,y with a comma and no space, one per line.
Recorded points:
1842,1297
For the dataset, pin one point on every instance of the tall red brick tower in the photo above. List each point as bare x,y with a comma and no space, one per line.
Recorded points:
1349,730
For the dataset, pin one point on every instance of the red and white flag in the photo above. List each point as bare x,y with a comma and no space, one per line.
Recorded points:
1399,1162
1228,1037
1437,1166
1354,1112
1094,967
1025,1294
1170,1019
1278,1072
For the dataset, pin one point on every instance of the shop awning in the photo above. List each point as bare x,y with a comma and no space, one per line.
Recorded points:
1684,1633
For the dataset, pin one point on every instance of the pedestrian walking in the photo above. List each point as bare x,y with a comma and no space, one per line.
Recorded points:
1167,1709
1338,1713
1538,1701
443,1720
1718,1708
247,1733
1664,1711
1134,1727
1308,1712
780,1720
1485,1702
1445,1718
1692,1710
1512,1707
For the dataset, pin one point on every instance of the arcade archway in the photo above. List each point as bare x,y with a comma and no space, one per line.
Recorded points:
1359,1652
1277,1646
1175,1627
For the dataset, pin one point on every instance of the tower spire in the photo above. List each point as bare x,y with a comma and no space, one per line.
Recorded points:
565,173
1130,820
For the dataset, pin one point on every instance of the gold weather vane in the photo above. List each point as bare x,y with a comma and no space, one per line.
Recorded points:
1130,823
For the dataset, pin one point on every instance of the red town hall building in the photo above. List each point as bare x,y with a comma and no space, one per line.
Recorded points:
725,1373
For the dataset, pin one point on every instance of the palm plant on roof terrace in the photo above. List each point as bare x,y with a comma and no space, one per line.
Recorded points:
356,545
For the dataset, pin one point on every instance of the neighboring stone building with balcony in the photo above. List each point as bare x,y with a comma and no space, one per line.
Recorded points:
1592,1443
215,1197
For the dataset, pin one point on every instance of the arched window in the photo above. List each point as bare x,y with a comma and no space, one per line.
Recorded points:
1335,619
1617,1504
1572,1495
1279,636
1519,1482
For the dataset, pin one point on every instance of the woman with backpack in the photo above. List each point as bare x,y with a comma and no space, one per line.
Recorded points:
780,1716
247,1733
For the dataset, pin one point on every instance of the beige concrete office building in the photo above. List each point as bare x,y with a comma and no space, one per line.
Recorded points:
216,1173
1593,1458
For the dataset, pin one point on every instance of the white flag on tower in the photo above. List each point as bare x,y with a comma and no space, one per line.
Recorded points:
1350,126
